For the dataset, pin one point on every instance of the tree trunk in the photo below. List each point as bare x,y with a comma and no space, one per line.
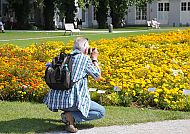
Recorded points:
22,11
116,20
70,9
101,14
49,14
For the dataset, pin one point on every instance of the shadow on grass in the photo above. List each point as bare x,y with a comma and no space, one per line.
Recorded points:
35,125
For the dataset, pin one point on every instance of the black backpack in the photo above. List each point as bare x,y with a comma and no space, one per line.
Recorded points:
58,73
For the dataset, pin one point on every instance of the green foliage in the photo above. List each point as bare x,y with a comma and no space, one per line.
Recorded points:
22,9
39,3
102,13
119,9
140,2
67,9
49,7
117,99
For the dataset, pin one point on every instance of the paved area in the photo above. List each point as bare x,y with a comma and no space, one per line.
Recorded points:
62,31
82,31
164,127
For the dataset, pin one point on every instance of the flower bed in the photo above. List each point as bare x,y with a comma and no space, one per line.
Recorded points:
134,64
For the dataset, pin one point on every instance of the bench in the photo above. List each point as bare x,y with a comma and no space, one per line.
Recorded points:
99,92
70,27
149,24
153,24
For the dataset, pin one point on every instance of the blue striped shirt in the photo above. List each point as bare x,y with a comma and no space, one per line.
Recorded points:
78,96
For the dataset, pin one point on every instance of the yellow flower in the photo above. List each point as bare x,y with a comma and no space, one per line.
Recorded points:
156,100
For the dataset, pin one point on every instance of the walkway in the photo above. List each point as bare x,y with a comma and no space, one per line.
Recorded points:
62,31
164,127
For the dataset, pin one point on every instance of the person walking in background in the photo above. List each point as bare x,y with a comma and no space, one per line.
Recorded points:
75,23
122,23
80,24
2,26
76,102
11,22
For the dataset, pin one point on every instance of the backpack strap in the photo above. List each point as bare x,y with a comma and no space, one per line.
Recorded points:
70,63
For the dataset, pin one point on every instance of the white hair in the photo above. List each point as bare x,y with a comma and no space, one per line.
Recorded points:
81,44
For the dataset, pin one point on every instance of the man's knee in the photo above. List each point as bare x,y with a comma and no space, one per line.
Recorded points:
102,112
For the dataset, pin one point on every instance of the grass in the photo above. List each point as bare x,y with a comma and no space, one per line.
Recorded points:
25,117
20,38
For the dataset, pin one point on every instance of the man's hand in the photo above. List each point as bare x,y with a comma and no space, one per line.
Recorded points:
94,55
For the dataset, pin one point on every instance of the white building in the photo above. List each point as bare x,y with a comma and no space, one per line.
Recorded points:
167,12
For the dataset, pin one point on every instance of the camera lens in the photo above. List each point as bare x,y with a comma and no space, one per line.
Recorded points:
89,51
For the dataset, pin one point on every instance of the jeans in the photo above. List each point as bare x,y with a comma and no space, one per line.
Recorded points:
96,112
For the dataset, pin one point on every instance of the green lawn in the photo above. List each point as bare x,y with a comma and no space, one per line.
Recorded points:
17,117
23,38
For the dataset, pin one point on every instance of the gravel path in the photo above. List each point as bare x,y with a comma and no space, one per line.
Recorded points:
164,127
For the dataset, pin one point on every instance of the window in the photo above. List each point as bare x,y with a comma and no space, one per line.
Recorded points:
163,6
144,13
138,13
83,15
188,6
163,9
166,6
160,6
141,13
183,6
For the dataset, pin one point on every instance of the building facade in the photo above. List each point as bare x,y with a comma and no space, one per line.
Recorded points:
167,12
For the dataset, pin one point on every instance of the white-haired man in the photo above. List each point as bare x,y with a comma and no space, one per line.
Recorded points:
76,102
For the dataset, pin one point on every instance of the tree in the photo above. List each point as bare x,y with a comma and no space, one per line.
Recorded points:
100,8
38,7
67,9
49,6
119,9
102,13
22,9
39,3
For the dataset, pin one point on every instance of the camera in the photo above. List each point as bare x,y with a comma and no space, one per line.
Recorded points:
90,50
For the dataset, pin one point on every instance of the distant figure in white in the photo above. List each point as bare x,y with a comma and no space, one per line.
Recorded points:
122,23
155,23
2,27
